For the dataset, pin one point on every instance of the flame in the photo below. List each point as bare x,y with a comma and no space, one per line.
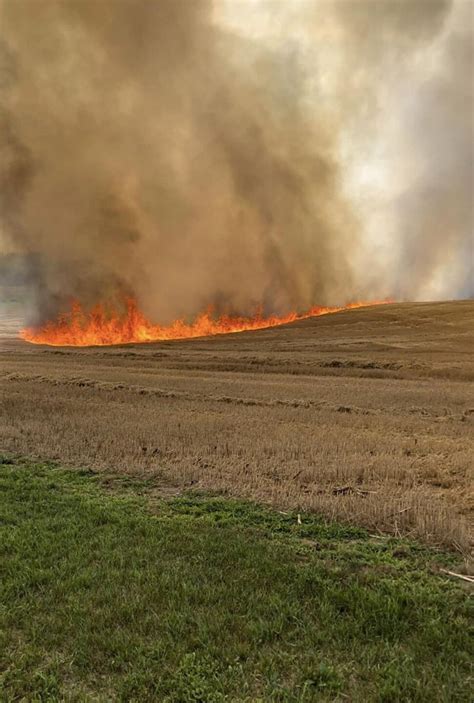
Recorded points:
99,326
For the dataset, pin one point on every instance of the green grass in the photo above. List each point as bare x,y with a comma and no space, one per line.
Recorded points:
113,594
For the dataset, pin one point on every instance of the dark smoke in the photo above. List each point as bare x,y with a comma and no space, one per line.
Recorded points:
147,149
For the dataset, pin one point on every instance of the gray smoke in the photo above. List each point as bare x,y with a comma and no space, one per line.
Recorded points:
148,148
435,217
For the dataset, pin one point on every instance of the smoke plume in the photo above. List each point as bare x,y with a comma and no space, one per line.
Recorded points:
155,148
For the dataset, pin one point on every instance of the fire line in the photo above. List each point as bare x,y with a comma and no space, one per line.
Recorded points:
102,327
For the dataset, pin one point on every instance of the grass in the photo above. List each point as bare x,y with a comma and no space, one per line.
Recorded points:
112,593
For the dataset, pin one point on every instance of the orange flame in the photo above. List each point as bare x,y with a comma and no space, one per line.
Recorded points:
79,328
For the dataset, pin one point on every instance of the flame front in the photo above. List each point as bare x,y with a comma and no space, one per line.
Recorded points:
80,328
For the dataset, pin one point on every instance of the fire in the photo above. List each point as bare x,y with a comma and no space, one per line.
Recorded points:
99,326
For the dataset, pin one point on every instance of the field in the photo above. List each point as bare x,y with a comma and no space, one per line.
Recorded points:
365,416
110,593
251,518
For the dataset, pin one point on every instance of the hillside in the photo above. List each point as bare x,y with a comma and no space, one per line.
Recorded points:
366,415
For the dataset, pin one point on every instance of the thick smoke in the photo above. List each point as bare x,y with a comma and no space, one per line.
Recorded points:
435,217
148,148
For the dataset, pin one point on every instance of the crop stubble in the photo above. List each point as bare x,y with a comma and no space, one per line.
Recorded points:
365,415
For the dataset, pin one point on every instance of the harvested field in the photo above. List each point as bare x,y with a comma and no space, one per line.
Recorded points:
365,415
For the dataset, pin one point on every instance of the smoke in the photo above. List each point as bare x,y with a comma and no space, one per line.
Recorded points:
435,216
155,148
